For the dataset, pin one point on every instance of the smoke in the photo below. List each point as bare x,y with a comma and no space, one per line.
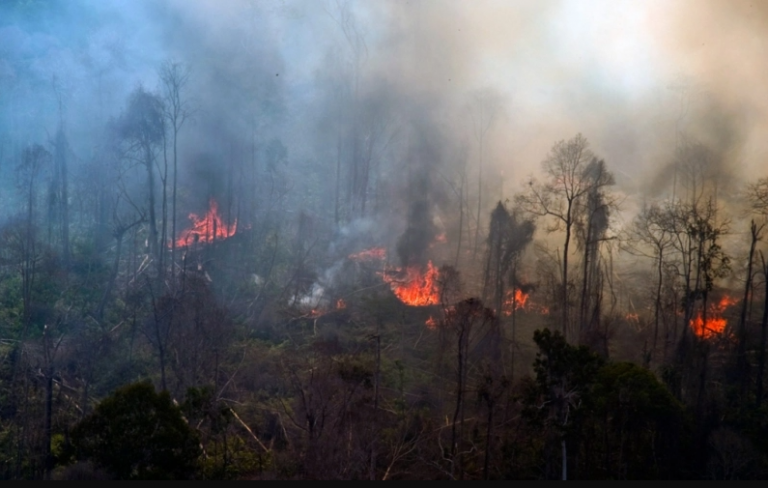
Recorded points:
633,77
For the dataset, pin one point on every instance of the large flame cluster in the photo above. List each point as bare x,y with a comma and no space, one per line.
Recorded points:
206,229
414,286
714,324
516,300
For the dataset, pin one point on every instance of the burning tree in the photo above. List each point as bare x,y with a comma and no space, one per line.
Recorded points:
207,229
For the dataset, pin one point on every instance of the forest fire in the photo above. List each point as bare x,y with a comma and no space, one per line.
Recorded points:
714,324
373,254
516,301
417,288
206,229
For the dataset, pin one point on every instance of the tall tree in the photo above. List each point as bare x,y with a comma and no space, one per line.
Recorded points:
177,110
559,197
649,229
142,128
591,233
757,195
483,115
508,237
34,160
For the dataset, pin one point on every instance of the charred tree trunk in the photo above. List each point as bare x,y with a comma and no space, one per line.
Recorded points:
763,337
657,300
564,295
741,360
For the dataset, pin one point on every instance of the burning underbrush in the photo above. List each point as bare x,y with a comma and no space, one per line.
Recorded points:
208,228
413,285
713,323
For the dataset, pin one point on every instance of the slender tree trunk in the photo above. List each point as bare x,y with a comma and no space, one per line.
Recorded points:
585,284
173,203
564,450
112,278
336,212
376,403
741,361
488,432
479,191
152,217
657,301
763,338
564,297
164,225
48,414
461,224
459,396
61,163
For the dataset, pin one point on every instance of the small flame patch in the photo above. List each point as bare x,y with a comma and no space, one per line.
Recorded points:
373,254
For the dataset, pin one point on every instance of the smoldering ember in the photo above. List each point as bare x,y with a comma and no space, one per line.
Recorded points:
383,239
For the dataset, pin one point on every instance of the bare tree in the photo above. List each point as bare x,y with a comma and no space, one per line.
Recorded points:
34,159
342,13
558,198
174,77
483,115
142,127
757,195
648,229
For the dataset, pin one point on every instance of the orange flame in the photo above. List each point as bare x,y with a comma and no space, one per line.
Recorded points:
206,229
416,289
715,323
341,304
516,301
369,254
431,323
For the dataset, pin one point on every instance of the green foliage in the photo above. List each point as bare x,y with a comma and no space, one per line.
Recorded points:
137,433
618,419
636,427
561,365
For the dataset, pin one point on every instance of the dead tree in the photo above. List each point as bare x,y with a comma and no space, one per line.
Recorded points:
559,197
